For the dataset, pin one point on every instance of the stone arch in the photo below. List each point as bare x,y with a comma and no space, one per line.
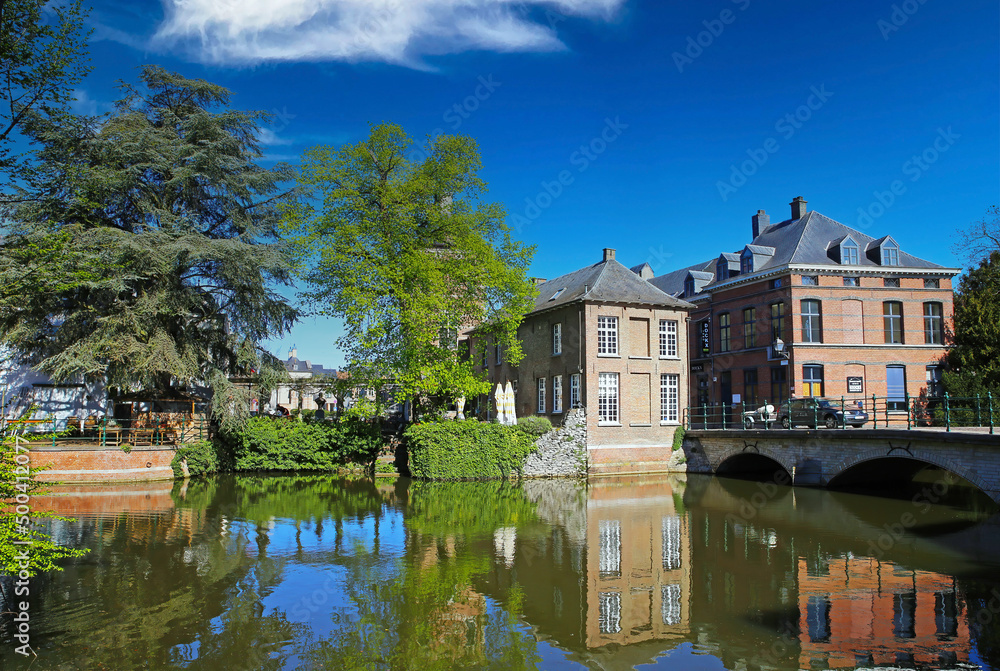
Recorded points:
729,453
925,456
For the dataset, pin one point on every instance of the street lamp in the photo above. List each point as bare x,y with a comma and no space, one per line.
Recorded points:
781,349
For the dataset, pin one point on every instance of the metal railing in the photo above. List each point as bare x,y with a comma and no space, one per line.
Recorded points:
946,412
151,430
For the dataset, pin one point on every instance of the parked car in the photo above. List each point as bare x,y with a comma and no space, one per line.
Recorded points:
816,412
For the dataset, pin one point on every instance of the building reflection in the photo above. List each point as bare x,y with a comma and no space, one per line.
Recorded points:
859,611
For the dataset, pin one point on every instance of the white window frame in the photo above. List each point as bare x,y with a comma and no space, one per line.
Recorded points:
557,394
574,390
541,396
670,384
557,338
607,336
668,339
498,353
607,400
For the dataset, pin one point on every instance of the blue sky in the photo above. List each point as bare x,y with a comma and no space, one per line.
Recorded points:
671,123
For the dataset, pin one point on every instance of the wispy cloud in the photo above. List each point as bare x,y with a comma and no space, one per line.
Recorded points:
83,104
248,32
269,138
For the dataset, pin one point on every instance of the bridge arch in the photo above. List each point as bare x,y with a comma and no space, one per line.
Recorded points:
920,459
752,462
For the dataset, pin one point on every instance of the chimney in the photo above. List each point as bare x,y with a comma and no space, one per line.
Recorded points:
539,280
293,353
798,207
609,254
760,223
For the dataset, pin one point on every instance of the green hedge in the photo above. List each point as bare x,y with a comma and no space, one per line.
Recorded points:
467,450
276,444
202,457
534,426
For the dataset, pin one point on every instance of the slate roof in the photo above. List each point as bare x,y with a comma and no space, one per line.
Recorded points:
604,282
307,367
804,241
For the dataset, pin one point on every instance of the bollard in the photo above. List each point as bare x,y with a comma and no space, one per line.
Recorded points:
947,413
875,413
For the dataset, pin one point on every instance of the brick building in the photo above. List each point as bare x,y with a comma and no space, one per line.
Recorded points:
604,339
857,316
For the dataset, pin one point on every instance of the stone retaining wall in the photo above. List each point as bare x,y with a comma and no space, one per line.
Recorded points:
561,452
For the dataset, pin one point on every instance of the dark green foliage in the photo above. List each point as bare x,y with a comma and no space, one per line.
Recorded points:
448,508
202,458
275,444
974,361
678,438
534,426
144,249
466,450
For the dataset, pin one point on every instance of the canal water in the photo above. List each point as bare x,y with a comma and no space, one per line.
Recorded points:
658,572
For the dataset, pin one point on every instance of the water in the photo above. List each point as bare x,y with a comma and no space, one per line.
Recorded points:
664,572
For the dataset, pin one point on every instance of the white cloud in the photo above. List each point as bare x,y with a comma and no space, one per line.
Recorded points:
84,105
269,138
249,32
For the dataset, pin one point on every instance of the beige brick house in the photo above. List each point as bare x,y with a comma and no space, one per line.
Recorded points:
858,316
604,339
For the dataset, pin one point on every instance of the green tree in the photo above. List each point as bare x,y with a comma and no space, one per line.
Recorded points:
145,249
400,245
974,361
42,48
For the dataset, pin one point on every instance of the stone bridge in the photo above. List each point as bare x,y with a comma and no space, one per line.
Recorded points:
846,456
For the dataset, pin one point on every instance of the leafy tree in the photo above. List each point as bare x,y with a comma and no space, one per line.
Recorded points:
406,252
145,248
41,58
975,358
982,238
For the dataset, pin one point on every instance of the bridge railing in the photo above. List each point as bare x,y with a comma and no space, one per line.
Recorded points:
945,412
149,430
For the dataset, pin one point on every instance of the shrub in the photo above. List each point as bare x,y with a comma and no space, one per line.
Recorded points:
466,450
534,426
678,438
202,457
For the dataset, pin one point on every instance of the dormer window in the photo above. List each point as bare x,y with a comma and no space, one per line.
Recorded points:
689,286
890,253
746,262
849,252
721,270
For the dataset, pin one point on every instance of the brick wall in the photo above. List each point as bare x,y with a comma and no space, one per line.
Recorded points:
97,465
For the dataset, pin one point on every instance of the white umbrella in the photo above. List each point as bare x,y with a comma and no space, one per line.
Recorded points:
511,413
501,406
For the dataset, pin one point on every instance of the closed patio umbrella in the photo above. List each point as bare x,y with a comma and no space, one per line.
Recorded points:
500,397
511,413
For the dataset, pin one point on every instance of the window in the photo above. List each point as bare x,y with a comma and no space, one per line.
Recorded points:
607,335
486,355
669,398
689,286
935,386
818,618
777,320
849,252
724,332
810,280
933,325
895,386
776,283
749,328
746,262
609,612
557,338
811,327
750,388
932,283
557,393
671,527
812,380
498,353
779,384
904,614
541,396
610,548
852,281
946,614
574,390
557,294
891,282
607,398
890,254
892,313
670,604
668,338
722,270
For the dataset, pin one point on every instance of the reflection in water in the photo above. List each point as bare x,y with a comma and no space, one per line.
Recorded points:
262,572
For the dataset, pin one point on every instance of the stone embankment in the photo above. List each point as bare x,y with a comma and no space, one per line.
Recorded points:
561,452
